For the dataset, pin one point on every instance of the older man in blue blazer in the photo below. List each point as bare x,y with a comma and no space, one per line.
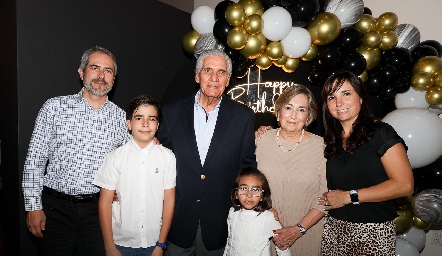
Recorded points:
212,137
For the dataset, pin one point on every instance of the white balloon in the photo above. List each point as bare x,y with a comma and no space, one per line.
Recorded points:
203,19
405,248
297,43
421,130
411,98
348,11
416,237
277,23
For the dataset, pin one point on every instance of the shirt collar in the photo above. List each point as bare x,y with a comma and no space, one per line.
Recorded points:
78,98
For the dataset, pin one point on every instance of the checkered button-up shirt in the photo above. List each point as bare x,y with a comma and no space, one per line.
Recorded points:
71,138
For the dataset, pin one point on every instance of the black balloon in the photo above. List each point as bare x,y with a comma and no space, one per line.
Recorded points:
349,39
221,29
373,84
286,2
239,69
367,11
305,11
428,177
317,76
329,55
387,73
402,83
400,58
355,62
423,51
321,5
387,93
233,54
270,2
220,9
435,44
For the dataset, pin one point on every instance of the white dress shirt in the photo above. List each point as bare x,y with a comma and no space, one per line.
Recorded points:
139,177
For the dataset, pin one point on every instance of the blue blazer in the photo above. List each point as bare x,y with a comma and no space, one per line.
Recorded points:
203,192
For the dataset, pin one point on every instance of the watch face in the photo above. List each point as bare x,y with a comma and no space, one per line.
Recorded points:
354,197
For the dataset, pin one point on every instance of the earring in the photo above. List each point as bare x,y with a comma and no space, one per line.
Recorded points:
277,119
306,120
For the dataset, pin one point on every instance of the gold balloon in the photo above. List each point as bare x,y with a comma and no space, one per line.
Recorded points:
372,56
371,39
389,41
324,28
263,62
429,64
419,224
235,14
438,78
403,221
366,24
189,40
434,95
274,50
281,61
405,203
422,81
291,65
256,45
311,54
252,7
364,76
237,38
386,22
253,24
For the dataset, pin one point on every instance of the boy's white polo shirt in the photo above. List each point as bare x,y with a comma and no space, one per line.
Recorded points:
140,177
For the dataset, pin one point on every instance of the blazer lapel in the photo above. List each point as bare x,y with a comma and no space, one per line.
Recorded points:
189,130
222,123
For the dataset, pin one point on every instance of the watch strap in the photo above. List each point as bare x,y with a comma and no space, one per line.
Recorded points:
354,197
161,245
301,229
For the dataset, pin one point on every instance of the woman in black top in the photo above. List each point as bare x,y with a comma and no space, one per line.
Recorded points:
367,167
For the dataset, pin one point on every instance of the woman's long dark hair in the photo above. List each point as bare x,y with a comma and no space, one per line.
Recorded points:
362,127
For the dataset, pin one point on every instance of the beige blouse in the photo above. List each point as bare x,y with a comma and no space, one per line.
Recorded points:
296,179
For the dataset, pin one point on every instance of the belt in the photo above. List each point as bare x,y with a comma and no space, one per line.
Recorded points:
85,198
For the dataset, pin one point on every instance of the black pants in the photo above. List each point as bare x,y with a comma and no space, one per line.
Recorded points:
71,228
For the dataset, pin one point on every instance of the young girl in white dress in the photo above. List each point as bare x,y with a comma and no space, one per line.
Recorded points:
250,222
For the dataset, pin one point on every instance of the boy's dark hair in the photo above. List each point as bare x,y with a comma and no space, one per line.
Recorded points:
266,202
143,99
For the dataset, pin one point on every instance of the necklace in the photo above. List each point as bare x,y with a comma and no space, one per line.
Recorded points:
297,143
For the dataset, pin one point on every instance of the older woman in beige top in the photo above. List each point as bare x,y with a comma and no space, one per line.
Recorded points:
293,161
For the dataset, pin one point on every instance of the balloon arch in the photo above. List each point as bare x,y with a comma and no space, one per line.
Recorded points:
333,35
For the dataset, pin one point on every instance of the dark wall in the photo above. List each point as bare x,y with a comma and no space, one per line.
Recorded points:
9,201
44,43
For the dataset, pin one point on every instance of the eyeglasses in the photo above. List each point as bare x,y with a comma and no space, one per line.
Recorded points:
245,191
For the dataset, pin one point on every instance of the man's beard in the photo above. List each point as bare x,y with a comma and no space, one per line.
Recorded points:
92,90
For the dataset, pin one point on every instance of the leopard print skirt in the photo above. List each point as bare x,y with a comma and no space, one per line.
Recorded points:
347,238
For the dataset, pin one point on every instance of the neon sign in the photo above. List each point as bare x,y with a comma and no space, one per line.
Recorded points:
259,96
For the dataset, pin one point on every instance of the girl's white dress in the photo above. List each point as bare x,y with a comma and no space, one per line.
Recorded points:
250,233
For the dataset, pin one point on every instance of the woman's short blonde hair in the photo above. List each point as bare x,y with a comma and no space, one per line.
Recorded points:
289,93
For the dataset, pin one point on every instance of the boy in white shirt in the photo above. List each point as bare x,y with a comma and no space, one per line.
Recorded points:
143,175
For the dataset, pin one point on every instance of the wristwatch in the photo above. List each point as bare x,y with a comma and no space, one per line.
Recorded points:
354,197
161,245
301,229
